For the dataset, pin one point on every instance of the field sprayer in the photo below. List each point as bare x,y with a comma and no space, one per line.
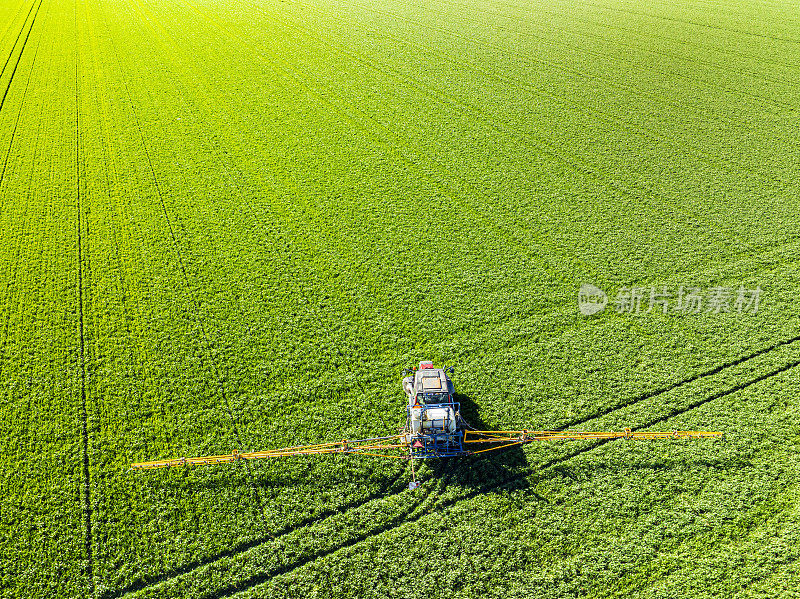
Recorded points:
434,429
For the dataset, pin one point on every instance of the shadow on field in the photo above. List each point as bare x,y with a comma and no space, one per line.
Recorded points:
485,469
478,474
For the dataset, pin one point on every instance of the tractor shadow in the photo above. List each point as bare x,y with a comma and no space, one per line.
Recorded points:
486,470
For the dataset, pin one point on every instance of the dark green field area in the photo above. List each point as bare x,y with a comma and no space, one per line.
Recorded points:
230,224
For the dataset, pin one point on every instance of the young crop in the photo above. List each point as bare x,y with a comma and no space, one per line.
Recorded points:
228,226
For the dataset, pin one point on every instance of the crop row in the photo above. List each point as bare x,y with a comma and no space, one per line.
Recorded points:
43,477
260,222
674,486
595,137
599,73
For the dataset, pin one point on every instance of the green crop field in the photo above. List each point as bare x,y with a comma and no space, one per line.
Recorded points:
230,224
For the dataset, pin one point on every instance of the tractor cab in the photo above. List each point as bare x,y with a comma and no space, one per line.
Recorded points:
429,385
432,413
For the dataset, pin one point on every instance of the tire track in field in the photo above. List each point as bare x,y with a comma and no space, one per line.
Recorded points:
581,74
574,107
567,458
8,86
692,59
87,491
143,584
197,312
16,121
576,164
16,40
235,179
686,381
590,19
19,56
609,82
567,70
412,506
392,483
412,513
393,524
230,33
690,22
739,387
20,10
694,47
515,479
11,283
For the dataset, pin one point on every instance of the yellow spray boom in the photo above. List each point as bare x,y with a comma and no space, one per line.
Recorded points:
434,429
